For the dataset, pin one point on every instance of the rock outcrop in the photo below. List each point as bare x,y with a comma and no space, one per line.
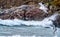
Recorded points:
28,10
24,12
57,21
15,3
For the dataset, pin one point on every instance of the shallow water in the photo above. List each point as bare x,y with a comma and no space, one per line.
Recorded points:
27,31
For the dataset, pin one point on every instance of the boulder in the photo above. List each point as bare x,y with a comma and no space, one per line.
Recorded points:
25,12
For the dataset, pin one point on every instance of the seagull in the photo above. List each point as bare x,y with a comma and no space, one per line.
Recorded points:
43,7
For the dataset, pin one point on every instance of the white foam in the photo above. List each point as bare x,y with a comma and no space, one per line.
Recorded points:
44,23
43,7
55,36
19,36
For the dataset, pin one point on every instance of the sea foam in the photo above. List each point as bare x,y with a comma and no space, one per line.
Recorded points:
45,22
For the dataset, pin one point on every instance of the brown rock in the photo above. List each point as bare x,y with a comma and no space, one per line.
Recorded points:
25,13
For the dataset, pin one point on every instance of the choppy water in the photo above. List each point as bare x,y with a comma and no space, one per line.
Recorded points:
28,28
21,28
27,31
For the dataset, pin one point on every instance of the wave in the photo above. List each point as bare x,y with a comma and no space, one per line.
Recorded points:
19,36
24,36
45,22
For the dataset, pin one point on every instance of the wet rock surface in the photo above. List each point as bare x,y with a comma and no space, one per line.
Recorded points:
57,21
24,12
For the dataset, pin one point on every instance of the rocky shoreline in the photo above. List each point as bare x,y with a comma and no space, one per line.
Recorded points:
28,11
24,12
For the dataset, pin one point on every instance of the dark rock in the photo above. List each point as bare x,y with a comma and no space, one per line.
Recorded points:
25,12
57,21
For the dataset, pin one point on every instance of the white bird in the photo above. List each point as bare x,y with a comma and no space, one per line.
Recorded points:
43,7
